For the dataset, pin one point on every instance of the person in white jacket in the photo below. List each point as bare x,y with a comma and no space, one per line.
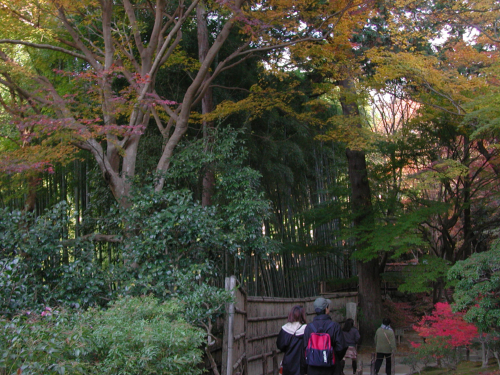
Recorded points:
290,341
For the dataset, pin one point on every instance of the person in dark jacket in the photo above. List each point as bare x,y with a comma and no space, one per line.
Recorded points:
351,337
323,323
289,341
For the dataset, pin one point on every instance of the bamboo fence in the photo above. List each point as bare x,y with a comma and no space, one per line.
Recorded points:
252,325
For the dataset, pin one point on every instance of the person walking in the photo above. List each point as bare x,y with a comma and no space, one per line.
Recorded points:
323,324
290,340
351,337
385,346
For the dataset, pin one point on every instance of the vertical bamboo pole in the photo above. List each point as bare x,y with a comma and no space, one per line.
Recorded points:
275,362
264,364
228,339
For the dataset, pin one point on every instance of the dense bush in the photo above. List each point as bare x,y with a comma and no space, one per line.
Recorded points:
53,342
443,332
135,335
151,246
14,281
477,286
40,266
141,336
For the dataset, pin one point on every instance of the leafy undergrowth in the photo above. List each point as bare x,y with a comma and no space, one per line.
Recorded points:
407,313
464,368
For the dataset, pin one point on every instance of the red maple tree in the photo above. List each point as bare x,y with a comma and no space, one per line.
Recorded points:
447,325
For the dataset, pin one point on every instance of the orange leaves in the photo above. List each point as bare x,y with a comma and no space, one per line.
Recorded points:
257,103
462,55
285,19
36,158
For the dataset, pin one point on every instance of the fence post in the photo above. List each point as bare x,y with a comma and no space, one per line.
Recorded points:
350,309
228,340
372,364
393,363
275,362
359,371
264,364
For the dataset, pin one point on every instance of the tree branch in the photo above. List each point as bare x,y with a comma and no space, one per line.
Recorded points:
43,46
110,238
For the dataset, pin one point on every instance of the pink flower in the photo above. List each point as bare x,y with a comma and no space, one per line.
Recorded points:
47,311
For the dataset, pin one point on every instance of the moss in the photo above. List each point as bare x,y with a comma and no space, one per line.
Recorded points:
463,368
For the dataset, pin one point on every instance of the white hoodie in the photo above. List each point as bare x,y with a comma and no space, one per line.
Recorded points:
295,328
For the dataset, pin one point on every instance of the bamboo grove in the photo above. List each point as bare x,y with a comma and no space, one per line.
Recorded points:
286,142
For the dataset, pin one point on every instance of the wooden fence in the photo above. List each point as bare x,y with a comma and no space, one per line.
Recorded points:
252,325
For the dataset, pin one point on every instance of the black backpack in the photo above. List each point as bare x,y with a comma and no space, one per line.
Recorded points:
319,351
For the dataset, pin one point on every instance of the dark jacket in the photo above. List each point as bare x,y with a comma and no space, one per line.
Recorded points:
351,337
290,342
324,323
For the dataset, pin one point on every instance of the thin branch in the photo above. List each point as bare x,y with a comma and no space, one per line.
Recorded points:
110,238
133,23
44,46
229,88
158,120
89,56
172,47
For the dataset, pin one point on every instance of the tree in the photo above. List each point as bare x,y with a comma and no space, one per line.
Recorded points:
443,331
477,287
119,47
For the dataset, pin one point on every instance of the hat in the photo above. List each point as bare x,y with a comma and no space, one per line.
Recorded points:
321,304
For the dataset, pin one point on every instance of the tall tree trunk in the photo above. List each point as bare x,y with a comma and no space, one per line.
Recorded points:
30,201
370,299
466,248
206,103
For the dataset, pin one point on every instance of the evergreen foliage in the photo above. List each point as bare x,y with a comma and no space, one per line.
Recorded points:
133,335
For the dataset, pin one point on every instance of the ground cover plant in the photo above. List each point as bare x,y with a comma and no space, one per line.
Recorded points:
463,368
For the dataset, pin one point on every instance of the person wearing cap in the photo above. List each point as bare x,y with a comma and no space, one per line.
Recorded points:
323,323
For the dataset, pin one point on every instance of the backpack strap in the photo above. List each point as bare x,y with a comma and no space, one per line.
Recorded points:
297,329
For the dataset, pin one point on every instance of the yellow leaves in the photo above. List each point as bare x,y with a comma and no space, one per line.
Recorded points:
292,18
27,20
462,55
345,129
429,78
180,58
263,100
256,104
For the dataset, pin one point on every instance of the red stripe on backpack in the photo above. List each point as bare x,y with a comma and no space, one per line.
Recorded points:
319,351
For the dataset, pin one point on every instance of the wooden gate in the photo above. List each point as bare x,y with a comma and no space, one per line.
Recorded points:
252,325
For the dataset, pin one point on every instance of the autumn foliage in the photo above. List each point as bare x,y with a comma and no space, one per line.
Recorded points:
447,325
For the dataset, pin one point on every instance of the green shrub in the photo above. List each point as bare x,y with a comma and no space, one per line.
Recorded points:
135,335
52,343
14,293
140,336
436,349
